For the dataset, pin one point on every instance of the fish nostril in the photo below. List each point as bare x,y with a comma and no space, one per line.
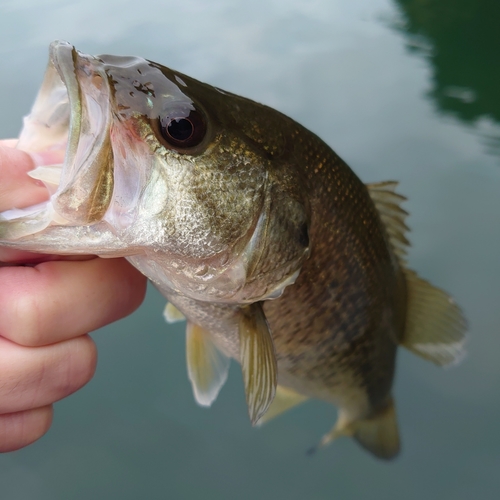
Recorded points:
304,235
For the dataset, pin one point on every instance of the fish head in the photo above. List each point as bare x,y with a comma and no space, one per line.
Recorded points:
198,182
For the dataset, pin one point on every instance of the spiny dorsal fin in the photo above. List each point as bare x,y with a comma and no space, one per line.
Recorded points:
435,325
258,360
207,366
172,314
284,399
388,202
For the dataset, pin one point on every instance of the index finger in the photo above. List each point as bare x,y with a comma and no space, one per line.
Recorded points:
59,300
17,189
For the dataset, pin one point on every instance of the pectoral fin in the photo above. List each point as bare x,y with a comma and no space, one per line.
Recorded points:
258,361
284,400
207,366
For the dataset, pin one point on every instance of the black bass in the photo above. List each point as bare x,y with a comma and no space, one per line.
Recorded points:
252,228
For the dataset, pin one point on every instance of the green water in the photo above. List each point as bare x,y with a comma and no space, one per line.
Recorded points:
403,90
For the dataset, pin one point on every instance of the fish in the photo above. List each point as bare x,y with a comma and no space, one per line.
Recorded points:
256,232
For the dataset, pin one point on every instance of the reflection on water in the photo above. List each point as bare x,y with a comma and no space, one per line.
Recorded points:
461,41
463,47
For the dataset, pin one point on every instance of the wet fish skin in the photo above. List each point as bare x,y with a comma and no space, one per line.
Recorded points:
266,241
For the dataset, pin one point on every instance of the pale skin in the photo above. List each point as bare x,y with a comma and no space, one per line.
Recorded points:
48,304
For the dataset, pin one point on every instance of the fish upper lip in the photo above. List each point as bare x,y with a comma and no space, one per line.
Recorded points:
62,57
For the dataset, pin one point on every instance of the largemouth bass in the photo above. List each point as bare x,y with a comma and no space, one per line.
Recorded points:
249,224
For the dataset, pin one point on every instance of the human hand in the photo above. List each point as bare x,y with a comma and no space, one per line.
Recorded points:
47,305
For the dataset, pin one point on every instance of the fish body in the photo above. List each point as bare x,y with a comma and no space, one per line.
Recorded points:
249,224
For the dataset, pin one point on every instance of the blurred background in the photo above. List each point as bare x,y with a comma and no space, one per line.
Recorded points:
401,89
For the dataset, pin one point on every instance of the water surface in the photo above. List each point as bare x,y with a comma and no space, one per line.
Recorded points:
404,90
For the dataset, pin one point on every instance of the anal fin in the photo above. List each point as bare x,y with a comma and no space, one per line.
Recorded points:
207,366
284,400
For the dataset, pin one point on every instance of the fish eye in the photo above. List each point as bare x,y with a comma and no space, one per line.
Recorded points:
183,130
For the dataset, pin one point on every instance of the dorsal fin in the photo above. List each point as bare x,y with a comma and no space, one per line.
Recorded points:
435,325
388,202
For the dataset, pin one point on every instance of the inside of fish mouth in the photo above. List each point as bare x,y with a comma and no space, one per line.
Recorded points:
66,132
46,131
45,137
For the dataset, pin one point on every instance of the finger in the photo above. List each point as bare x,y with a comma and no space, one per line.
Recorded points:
9,143
23,428
17,189
9,256
58,300
31,377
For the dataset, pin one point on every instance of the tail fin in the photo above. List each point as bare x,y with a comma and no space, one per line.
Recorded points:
435,326
378,434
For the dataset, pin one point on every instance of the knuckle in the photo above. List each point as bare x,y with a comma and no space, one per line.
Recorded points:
80,363
29,320
21,320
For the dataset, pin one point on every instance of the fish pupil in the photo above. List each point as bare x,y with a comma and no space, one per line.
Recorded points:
180,129
183,131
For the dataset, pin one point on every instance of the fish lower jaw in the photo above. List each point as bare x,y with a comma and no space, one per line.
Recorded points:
19,223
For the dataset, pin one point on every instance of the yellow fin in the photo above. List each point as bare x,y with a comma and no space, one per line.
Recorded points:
207,366
172,314
258,360
435,326
388,202
378,434
284,399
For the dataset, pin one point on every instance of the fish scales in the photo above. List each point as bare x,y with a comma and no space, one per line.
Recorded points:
249,224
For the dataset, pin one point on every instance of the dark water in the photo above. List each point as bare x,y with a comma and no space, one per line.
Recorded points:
404,90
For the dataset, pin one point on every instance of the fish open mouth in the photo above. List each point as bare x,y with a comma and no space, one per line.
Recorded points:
70,116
